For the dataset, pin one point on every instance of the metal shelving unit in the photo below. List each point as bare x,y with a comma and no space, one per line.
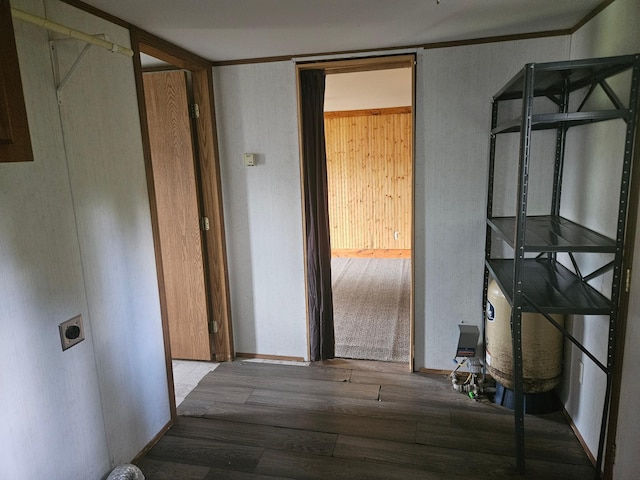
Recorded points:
535,280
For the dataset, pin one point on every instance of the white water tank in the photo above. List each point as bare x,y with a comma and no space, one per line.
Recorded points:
542,345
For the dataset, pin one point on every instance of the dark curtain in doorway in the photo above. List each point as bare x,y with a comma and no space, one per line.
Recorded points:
320,298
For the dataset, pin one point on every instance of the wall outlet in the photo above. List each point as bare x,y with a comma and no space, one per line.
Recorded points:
71,332
396,235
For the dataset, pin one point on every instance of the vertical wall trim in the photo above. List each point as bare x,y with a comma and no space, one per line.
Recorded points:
208,170
153,210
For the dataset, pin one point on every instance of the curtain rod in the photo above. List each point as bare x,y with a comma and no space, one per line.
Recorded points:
57,27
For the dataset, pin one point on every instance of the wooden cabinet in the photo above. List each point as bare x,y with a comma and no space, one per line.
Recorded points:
15,142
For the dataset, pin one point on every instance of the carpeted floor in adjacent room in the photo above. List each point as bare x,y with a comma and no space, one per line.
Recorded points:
371,308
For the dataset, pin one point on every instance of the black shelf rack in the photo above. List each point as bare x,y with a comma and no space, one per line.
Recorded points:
534,279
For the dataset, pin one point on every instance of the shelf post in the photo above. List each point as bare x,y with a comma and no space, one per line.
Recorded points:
561,138
519,255
618,277
487,244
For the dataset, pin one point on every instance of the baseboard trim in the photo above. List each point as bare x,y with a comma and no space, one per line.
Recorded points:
154,440
371,253
433,371
269,357
579,437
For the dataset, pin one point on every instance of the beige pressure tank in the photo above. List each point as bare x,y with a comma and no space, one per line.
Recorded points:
542,345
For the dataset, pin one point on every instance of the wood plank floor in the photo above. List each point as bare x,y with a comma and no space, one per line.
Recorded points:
351,420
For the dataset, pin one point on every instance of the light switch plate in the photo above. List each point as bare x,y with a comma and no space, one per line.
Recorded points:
71,332
250,159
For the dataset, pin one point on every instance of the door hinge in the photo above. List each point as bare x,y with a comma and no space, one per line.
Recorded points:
613,454
627,282
194,110
213,326
204,224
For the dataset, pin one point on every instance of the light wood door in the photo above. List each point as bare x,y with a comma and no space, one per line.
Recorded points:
174,177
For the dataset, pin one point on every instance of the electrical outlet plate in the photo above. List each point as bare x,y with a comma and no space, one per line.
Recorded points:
249,159
71,332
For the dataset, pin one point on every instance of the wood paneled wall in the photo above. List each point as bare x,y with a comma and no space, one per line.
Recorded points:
369,169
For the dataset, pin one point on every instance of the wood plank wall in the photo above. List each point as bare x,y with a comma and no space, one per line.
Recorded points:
369,169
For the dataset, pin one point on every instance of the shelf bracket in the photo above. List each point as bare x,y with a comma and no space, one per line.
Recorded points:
575,266
62,82
627,283
586,97
569,337
598,272
612,95
555,100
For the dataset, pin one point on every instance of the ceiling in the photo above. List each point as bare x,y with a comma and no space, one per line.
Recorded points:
367,90
226,30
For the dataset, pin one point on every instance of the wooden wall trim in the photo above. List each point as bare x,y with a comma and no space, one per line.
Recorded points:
269,357
433,371
375,63
579,436
367,112
154,440
153,210
168,52
388,50
209,188
371,253
97,12
215,239
591,15
365,64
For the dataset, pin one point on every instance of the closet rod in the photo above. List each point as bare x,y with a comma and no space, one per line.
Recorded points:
57,27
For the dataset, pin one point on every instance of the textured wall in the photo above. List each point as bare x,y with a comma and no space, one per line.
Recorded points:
75,238
41,285
593,199
453,114
257,113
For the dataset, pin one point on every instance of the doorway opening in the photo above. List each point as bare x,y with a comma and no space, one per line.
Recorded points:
368,129
177,117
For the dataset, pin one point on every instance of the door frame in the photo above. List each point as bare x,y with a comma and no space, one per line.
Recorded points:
210,192
383,62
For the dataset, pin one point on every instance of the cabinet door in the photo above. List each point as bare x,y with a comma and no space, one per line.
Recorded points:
15,142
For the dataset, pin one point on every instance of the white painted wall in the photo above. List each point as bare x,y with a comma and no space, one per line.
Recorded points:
41,285
453,108
108,184
612,32
257,113
75,238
